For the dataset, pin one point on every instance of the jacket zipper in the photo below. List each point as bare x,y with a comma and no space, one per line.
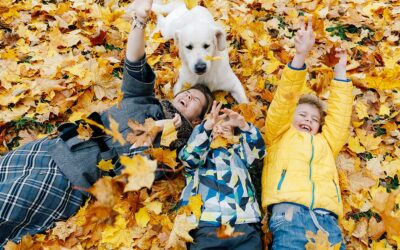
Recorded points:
310,175
337,191
283,174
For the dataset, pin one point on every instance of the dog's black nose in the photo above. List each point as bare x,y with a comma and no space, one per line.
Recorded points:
200,68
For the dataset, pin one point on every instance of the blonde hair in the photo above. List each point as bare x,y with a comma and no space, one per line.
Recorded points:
315,101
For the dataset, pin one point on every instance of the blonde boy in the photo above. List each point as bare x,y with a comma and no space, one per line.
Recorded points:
300,182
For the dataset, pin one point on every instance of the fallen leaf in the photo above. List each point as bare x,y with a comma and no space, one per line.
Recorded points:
139,171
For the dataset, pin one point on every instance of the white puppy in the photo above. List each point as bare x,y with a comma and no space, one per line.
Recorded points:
202,48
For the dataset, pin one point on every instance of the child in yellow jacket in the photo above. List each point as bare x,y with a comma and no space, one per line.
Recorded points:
300,182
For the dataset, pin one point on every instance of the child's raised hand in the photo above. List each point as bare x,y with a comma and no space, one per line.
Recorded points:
214,117
176,120
340,67
141,8
235,120
304,41
305,38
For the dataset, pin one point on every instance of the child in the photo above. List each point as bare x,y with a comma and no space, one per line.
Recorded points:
220,175
300,180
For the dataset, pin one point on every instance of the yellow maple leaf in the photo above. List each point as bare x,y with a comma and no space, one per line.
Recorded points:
195,204
114,132
165,156
84,132
220,96
219,142
169,134
368,140
117,236
105,165
180,231
139,170
76,115
384,110
142,217
361,110
155,207
355,146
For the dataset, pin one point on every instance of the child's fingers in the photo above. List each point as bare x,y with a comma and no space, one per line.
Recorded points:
213,106
302,25
309,25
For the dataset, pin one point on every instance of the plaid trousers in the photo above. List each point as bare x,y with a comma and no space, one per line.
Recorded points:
34,193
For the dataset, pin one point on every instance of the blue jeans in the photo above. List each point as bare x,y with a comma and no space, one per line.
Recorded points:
290,222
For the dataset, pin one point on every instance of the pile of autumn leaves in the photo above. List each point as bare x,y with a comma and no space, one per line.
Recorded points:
61,60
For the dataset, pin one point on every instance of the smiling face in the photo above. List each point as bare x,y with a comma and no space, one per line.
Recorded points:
307,118
190,104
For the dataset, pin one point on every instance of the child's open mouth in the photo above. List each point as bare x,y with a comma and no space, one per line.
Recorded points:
305,128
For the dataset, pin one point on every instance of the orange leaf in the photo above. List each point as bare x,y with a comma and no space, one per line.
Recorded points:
166,156
142,135
329,58
227,231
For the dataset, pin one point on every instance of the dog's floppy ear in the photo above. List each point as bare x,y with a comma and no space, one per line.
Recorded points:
177,34
220,37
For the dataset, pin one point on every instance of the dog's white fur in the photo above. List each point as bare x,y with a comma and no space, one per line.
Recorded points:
199,38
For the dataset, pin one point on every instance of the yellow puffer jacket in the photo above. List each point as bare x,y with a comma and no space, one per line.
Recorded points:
300,167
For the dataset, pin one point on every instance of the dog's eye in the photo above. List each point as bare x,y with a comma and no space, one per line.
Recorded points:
206,46
189,47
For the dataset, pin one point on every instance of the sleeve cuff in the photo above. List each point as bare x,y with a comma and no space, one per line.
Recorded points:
136,66
291,67
342,80
203,129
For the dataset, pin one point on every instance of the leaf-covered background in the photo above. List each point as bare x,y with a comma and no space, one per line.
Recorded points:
61,60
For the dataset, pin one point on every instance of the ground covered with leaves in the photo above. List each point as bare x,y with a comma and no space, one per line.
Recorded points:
62,60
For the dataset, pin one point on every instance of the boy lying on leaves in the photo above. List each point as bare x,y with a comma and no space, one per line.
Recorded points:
300,179
37,179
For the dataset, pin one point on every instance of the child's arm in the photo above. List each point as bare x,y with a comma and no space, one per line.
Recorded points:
290,86
340,104
194,153
252,145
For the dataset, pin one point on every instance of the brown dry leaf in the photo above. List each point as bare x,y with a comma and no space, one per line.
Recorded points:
64,229
139,171
329,59
84,132
142,135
